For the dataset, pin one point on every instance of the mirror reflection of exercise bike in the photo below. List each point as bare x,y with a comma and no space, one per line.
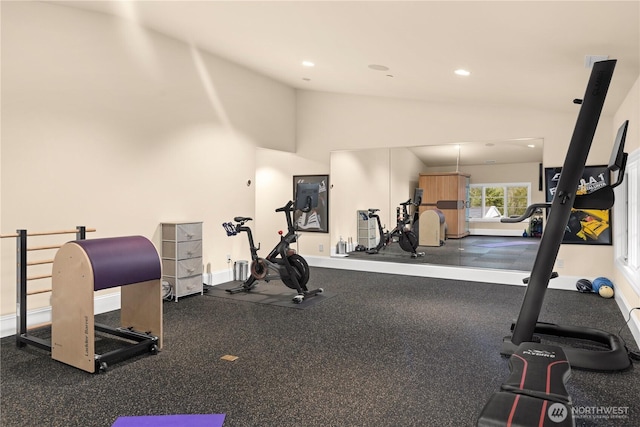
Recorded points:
405,231
282,263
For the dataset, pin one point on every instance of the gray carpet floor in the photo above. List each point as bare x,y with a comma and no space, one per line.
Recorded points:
386,350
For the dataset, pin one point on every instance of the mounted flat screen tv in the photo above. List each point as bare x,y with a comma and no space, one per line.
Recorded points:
618,161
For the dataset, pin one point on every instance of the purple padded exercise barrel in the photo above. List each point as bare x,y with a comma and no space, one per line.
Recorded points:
118,261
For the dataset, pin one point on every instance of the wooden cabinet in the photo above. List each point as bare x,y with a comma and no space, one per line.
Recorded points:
449,193
182,257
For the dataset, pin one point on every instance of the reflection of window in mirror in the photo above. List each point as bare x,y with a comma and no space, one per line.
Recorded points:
517,200
494,197
510,199
475,202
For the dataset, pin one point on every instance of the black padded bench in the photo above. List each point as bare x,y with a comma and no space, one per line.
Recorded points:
534,394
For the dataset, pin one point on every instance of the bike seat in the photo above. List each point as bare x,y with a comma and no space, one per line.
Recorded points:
408,202
242,219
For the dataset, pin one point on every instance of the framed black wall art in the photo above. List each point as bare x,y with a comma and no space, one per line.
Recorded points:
585,226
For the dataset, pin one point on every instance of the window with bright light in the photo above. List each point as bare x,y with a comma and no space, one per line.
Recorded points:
627,221
498,200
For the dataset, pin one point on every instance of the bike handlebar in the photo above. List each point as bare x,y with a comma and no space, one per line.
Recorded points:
286,208
530,211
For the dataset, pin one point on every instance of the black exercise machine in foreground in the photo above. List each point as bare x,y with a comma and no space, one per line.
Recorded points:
534,394
615,356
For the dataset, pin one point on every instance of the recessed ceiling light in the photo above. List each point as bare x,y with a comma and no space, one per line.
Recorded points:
378,67
531,146
308,64
461,72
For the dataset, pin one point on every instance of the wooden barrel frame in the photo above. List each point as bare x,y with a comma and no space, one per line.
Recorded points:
432,228
82,267
73,286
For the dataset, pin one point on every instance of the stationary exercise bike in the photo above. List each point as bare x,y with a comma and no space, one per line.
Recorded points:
282,263
404,233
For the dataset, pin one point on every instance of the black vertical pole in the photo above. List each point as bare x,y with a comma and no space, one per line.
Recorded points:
81,232
563,200
21,286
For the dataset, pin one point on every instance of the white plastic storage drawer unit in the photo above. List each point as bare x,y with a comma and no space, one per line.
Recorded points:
182,257
366,230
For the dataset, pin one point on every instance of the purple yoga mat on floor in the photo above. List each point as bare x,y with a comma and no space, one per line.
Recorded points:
197,420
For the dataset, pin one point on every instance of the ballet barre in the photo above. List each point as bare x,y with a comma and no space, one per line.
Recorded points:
22,292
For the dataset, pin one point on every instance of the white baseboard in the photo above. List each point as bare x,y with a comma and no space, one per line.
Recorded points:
503,277
102,304
217,277
39,316
495,232
634,324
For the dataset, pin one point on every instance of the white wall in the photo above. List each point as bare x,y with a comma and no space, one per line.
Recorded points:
111,126
360,180
405,168
329,121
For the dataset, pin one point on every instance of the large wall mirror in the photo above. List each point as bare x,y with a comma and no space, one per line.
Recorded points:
385,177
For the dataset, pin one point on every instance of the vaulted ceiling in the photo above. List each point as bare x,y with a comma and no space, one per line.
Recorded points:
528,53
519,53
